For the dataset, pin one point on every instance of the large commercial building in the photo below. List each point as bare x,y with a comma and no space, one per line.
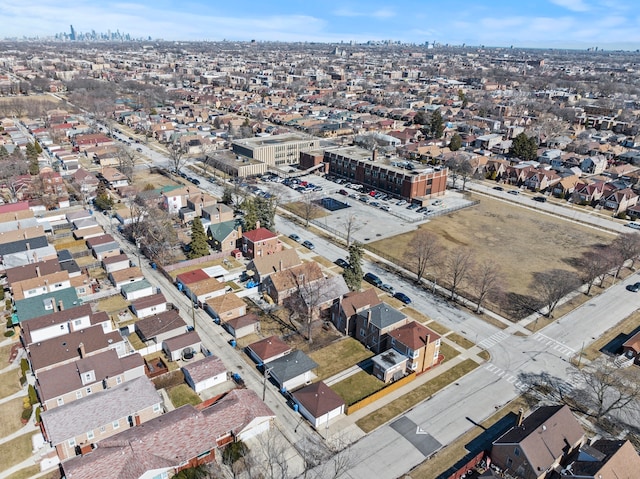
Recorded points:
277,150
399,179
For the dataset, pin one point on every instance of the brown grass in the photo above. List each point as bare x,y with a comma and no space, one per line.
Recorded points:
451,454
497,226
419,394
626,326
357,387
15,451
10,383
339,356
417,315
484,354
438,328
183,394
30,471
460,340
112,304
300,209
10,413
448,351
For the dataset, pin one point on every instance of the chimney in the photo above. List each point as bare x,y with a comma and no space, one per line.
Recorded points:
520,417
38,271
137,418
373,155
258,224
280,266
28,246
60,306
82,351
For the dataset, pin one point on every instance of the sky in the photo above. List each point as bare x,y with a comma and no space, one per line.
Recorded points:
606,24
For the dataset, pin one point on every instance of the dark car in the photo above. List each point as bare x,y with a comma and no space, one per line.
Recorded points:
634,288
195,181
402,297
342,263
373,279
540,199
498,188
308,244
344,192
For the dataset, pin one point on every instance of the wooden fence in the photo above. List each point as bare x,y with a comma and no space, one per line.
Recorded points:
380,394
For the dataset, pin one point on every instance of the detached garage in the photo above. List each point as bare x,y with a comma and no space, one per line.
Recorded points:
184,346
204,374
318,403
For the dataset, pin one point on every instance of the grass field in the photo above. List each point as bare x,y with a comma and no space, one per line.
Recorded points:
10,413
506,234
447,351
357,387
10,383
339,356
15,451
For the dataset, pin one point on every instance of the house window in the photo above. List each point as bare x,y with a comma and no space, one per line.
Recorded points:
78,394
60,401
362,333
77,322
118,380
103,429
72,442
115,424
509,462
90,435
88,391
156,407
516,452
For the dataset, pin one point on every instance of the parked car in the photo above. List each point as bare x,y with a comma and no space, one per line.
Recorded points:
342,263
540,199
139,150
413,206
387,288
401,203
344,192
294,237
385,208
514,192
375,204
402,297
373,279
634,225
498,188
634,288
195,181
308,244
436,203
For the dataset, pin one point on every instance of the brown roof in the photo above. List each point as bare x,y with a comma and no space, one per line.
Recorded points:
147,301
131,453
115,259
98,240
159,323
608,459
291,278
414,335
19,287
318,399
126,274
633,342
205,286
543,436
190,338
66,348
356,301
278,261
21,234
269,347
59,317
27,271
225,302
242,321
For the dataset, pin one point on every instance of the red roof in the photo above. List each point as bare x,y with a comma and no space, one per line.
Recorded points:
192,276
13,207
260,234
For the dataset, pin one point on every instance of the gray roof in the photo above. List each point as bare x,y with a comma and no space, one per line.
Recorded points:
291,366
136,286
98,409
383,315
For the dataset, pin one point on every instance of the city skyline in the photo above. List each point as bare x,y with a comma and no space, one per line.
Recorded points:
547,24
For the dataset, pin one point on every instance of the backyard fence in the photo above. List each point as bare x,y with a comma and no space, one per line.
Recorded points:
379,394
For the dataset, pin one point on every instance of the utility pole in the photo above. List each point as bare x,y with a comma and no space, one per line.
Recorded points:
264,382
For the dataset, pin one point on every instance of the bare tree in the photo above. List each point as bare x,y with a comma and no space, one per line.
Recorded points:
325,460
458,265
351,225
127,160
424,250
592,266
177,158
627,247
310,208
551,286
487,281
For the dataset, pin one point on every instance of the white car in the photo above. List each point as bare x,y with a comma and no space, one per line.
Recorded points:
634,225
388,288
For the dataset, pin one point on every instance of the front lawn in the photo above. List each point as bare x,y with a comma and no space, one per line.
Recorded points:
447,351
357,387
10,383
339,356
15,451
10,415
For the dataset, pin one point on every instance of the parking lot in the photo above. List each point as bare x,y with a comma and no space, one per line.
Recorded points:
372,218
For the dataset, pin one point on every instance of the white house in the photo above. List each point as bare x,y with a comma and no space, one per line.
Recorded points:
204,374
318,403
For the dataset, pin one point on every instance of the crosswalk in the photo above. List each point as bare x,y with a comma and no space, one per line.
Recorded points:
555,345
507,376
492,340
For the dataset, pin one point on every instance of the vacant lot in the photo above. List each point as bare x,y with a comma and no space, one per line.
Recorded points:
521,241
339,356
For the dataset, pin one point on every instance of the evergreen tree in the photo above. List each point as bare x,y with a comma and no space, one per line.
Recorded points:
38,147
4,154
227,195
456,142
436,125
353,274
32,153
103,200
34,167
258,209
421,118
199,245
524,147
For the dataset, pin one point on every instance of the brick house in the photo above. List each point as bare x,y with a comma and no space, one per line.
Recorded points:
260,242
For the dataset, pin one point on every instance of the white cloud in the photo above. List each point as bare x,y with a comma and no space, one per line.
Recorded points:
573,5
348,12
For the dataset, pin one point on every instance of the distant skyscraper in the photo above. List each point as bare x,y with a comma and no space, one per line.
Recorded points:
72,36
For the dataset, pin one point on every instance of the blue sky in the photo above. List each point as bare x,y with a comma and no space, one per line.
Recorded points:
528,23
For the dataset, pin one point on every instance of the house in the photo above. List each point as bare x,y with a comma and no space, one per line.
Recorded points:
619,201
281,285
538,444
268,349
73,381
160,326
318,403
217,213
265,266
323,293
103,246
47,354
177,347
224,236
137,290
149,305
566,186
344,311
373,324
40,285
291,370
225,307
419,344
588,192
603,459
541,180
76,428
116,263
205,289
593,165
631,348
260,242
31,270
389,365
114,178
243,325
205,373
56,323
125,276
238,415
